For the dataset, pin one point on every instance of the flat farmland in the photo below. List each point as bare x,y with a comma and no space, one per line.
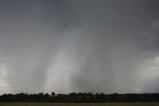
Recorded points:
81,104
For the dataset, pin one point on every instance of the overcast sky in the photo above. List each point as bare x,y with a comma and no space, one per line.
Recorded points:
79,45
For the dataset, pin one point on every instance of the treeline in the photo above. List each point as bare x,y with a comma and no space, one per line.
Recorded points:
79,97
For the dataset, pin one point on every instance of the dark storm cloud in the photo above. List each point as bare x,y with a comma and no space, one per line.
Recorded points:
27,39
78,45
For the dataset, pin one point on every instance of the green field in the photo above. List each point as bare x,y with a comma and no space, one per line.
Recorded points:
82,104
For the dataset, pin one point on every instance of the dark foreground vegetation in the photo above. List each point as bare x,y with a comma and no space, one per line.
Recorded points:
79,104
79,97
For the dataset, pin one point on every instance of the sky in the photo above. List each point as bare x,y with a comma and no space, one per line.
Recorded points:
109,46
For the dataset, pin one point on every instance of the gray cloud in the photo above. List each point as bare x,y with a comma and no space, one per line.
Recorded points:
77,45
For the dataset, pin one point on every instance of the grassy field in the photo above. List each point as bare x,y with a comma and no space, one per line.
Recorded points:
81,104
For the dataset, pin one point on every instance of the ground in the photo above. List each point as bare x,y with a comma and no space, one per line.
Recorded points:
81,104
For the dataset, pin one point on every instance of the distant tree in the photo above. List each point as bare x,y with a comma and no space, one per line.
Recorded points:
53,94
